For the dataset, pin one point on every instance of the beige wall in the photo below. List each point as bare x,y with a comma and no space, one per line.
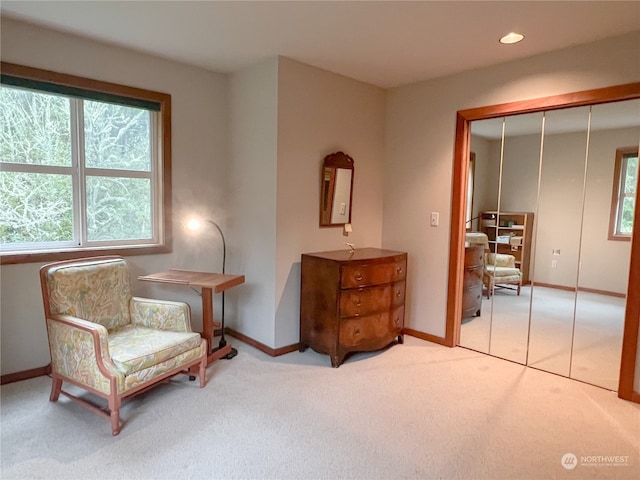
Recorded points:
321,113
253,166
199,138
285,118
419,150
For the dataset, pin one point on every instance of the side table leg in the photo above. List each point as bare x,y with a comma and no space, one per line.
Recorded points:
207,317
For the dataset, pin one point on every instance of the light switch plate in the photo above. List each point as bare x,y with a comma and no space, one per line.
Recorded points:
435,219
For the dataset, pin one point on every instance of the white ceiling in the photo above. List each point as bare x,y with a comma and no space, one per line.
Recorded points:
385,43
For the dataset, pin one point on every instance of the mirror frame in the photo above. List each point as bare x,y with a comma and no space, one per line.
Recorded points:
616,93
335,161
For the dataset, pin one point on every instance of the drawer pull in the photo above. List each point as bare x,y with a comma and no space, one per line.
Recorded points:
399,269
358,276
398,293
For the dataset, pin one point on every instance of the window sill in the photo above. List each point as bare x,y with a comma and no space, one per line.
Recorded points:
39,257
620,238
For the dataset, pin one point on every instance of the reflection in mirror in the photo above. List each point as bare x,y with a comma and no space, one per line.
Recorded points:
557,244
485,146
604,259
336,190
508,269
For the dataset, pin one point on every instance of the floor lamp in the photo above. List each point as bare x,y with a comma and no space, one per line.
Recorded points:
195,225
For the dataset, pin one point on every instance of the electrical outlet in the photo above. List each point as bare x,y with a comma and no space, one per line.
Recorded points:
554,263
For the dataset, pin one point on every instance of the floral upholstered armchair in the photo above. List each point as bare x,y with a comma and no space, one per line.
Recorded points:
108,342
500,271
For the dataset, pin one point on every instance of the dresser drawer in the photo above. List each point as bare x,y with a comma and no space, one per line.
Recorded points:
397,294
371,330
472,298
474,256
365,301
353,276
472,277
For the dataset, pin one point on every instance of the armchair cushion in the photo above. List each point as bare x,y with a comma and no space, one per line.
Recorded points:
501,260
500,272
134,348
160,314
99,292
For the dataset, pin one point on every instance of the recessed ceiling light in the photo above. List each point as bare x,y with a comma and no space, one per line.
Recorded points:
512,37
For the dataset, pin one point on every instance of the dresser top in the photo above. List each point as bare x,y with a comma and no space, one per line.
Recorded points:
359,254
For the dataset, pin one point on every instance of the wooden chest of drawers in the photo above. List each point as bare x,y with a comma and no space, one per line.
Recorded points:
352,302
472,281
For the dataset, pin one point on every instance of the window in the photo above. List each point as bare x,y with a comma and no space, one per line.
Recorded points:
470,188
82,167
625,180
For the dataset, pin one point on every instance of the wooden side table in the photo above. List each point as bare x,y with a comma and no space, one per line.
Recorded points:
208,283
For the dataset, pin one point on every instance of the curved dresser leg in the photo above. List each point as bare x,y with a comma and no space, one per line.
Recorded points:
336,359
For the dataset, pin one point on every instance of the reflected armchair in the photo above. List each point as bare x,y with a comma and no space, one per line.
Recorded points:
500,271
108,342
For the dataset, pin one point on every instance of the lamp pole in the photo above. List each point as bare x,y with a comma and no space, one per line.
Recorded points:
223,341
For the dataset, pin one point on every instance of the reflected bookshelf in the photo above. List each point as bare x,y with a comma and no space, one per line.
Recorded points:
510,233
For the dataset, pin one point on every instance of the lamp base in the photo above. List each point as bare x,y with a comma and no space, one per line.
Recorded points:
232,352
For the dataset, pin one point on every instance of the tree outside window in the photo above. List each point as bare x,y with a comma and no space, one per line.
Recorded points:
624,193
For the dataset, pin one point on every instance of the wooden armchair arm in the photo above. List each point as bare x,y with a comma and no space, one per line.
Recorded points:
89,362
160,314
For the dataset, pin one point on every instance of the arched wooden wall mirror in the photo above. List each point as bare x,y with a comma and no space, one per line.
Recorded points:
336,190
545,195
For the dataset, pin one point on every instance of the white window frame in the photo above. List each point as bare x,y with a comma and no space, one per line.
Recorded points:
159,175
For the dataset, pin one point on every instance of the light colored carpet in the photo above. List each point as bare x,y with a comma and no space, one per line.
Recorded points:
417,410
597,343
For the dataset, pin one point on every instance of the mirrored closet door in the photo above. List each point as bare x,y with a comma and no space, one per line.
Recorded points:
552,197
604,259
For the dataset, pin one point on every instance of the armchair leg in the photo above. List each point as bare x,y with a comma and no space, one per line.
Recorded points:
519,288
114,414
56,388
490,288
115,422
